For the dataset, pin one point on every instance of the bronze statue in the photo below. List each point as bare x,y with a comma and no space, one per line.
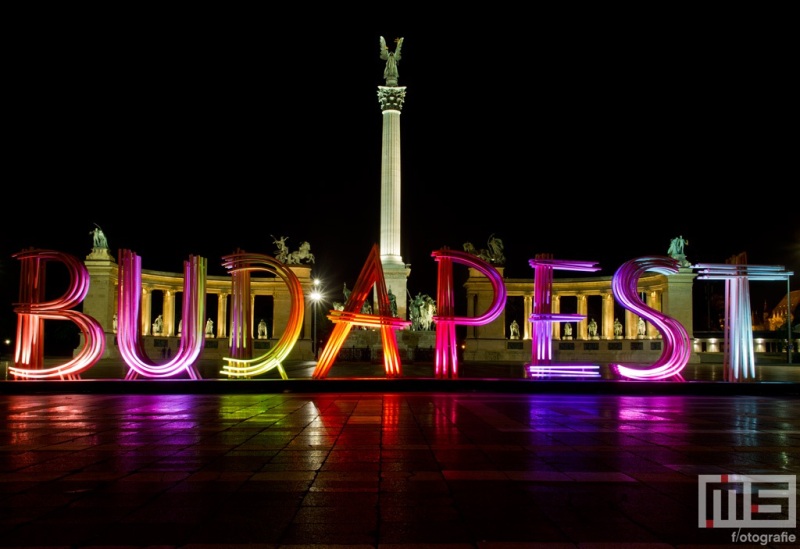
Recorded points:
675,250
98,237
390,72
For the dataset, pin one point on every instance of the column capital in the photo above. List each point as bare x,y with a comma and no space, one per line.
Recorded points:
391,98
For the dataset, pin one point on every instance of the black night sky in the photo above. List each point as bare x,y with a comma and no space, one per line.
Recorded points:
587,142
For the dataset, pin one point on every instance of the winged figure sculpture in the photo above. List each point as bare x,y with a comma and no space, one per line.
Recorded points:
391,57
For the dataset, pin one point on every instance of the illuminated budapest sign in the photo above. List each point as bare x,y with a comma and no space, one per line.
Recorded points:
33,310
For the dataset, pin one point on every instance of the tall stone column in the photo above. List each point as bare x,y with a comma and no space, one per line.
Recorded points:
391,98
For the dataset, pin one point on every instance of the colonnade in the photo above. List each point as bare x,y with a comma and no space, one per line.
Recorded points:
171,327
630,322
101,301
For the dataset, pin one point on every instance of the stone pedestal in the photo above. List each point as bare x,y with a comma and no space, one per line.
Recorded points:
677,299
396,277
100,301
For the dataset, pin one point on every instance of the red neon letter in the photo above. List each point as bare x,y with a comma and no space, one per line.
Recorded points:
371,274
32,312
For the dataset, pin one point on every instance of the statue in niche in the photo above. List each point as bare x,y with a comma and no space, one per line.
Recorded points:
592,329
567,331
262,329
209,328
158,324
617,328
641,329
390,73
514,330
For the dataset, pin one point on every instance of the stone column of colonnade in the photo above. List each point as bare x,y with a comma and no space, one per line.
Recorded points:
555,307
583,325
147,307
631,320
222,315
252,322
654,302
169,313
528,310
607,323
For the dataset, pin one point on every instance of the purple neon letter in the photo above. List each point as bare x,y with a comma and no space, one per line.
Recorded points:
677,347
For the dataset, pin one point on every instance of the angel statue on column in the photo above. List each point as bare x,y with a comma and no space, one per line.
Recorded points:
390,72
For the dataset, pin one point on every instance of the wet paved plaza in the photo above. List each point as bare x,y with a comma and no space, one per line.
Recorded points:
470,467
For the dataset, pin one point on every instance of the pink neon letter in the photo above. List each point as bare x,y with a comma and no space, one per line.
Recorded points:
543,317
446,363
677,349
130,344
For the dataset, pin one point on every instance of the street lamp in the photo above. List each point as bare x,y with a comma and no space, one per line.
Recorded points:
315,296
788,321
7,349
